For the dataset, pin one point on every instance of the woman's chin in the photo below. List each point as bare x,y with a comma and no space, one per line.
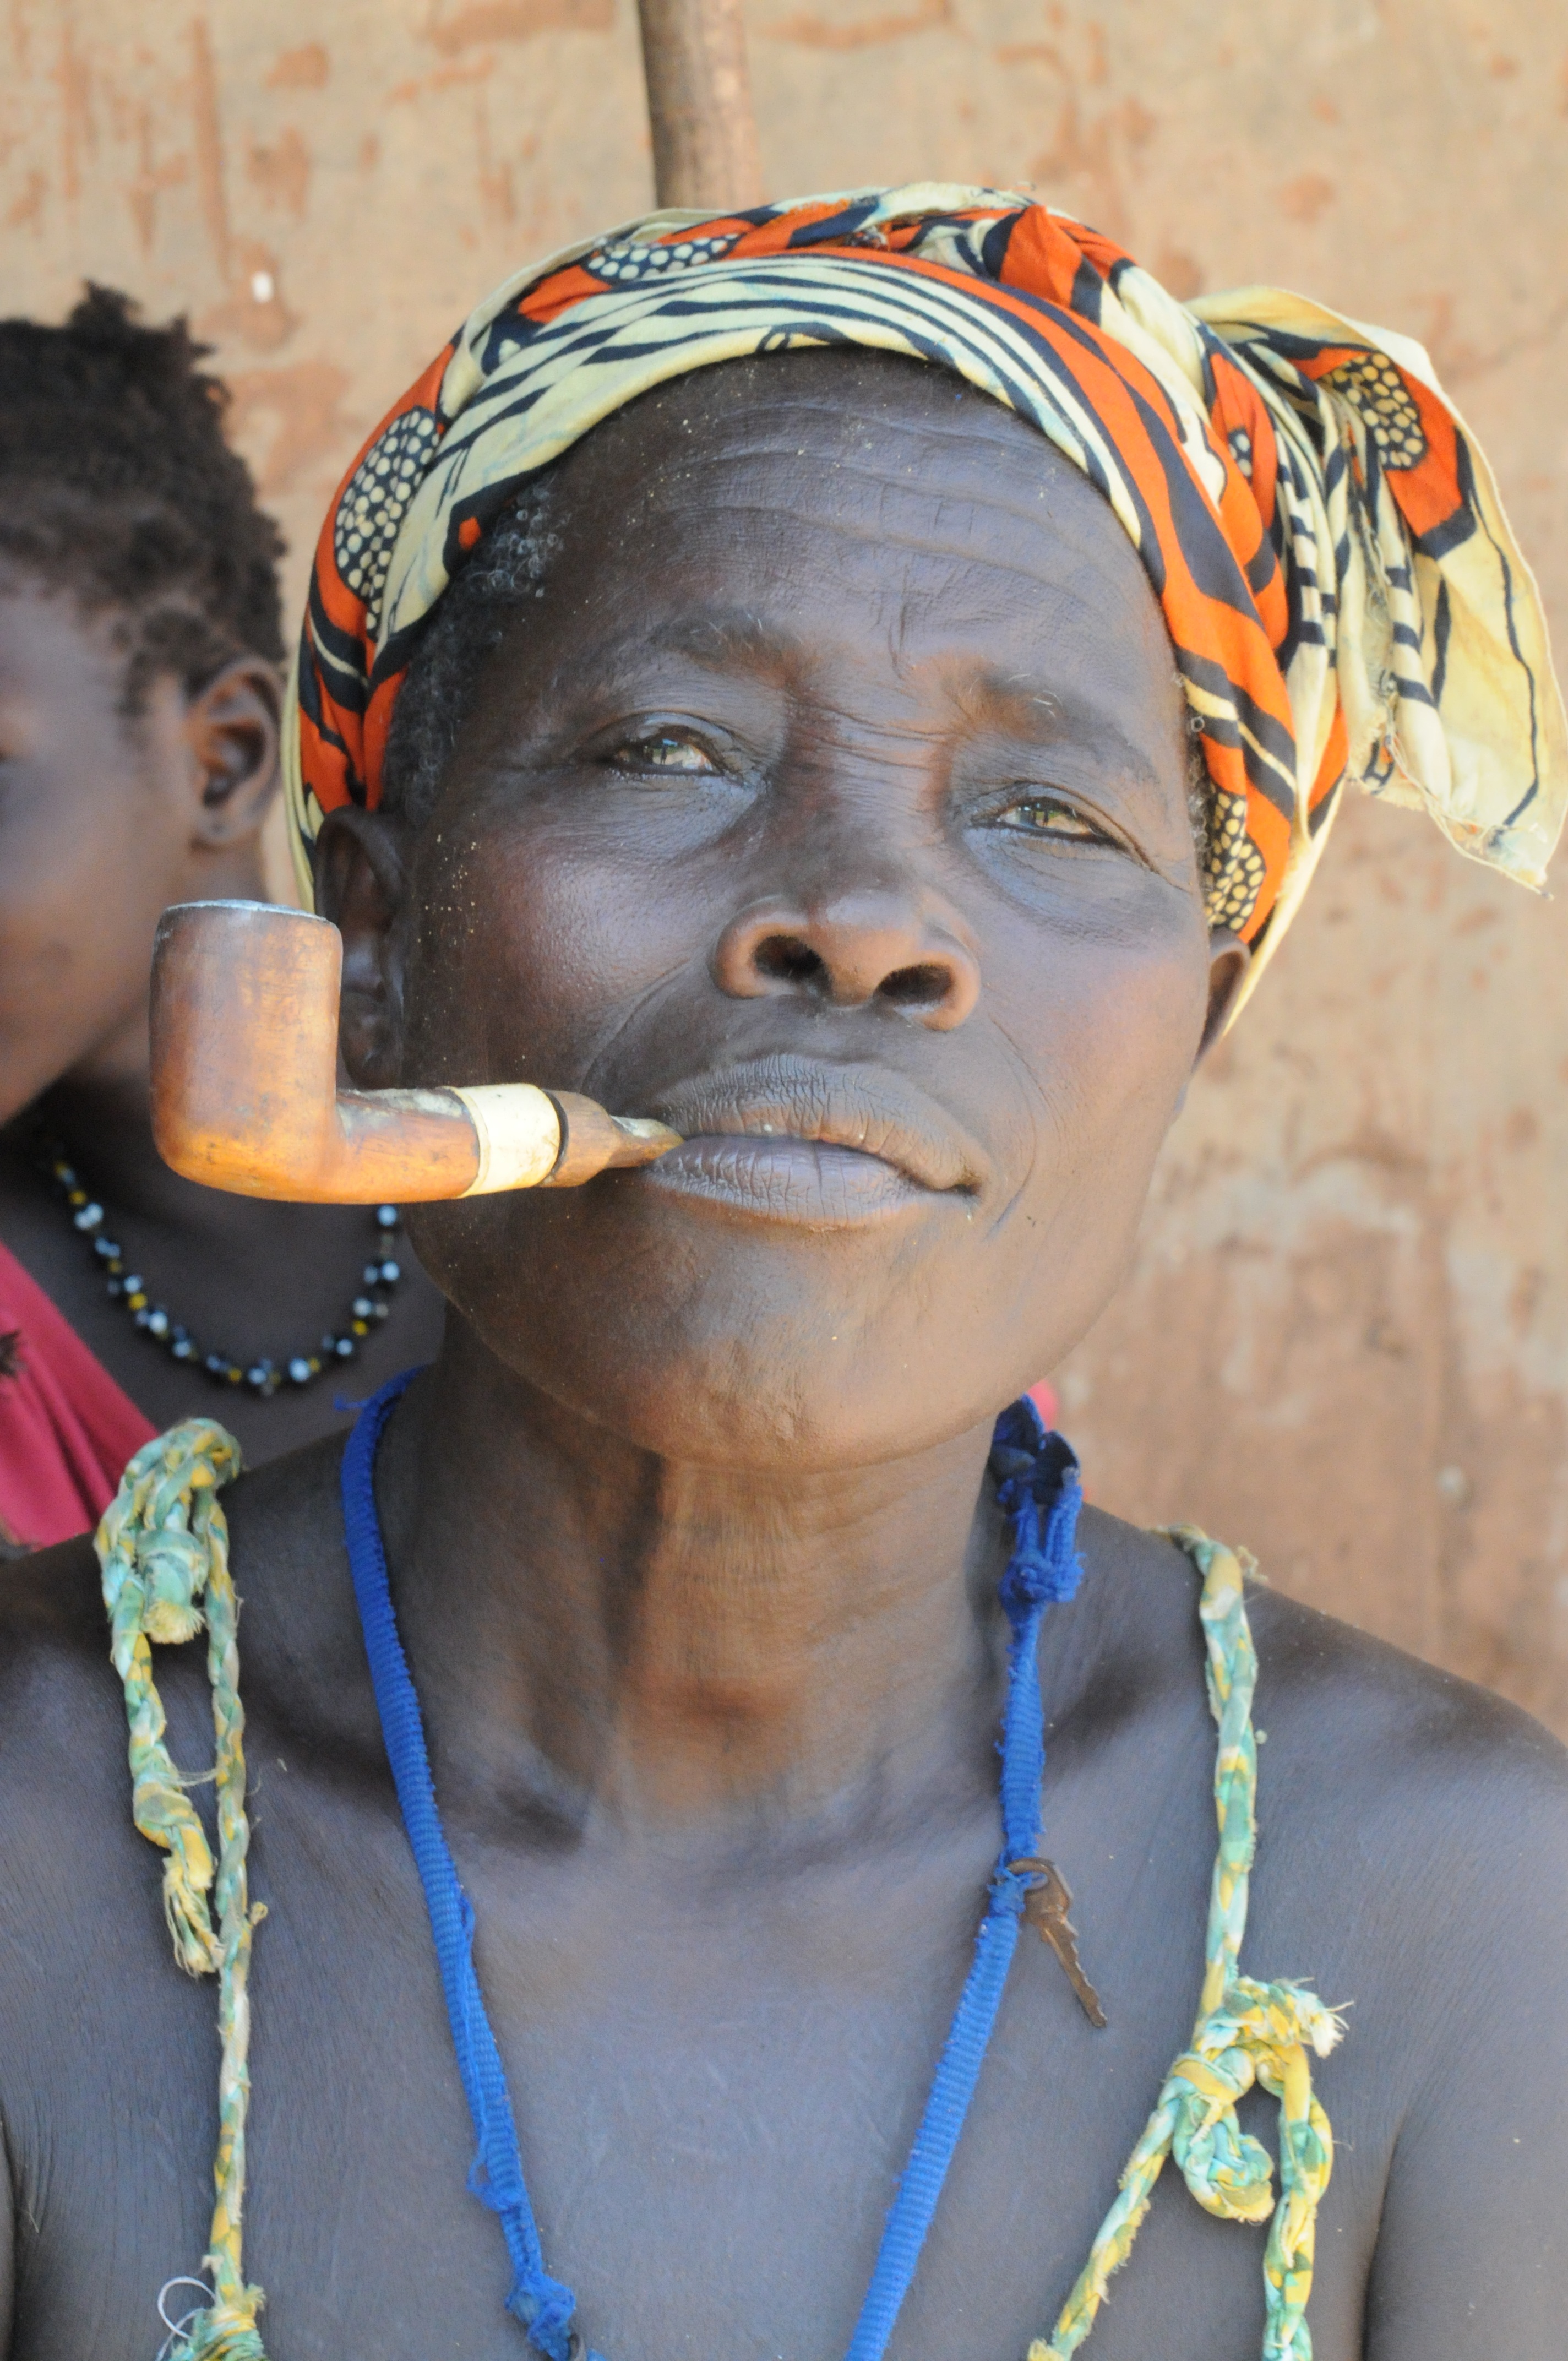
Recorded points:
749,1392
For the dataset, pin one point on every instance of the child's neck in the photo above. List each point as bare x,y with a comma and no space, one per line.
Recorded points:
104,1100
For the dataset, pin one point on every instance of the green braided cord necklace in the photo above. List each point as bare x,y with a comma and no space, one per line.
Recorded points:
163,1549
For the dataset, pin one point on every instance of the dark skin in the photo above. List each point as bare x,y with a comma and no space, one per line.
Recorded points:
105,820
841,771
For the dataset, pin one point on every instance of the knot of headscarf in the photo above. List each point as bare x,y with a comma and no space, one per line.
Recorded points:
1343,596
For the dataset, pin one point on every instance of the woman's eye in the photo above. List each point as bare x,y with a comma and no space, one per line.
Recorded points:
1049,816
664,750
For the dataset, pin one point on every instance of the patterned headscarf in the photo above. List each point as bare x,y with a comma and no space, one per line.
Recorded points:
1342,593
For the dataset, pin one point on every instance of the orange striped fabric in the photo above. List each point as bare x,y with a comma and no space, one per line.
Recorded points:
1343,596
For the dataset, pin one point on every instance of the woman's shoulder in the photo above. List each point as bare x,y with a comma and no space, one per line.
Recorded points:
1322,1680
60,1694
54,1652
81,1885
66,1838
1386,1784
1412,1849
1398,1728
1428,1811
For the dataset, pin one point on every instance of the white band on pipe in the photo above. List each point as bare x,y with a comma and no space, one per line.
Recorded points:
520,1136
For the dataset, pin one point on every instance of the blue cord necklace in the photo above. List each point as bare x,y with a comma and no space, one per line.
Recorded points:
1037,1485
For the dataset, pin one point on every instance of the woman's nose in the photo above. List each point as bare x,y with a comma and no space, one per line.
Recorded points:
853,951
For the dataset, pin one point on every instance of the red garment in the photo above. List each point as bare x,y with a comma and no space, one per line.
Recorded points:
66,1429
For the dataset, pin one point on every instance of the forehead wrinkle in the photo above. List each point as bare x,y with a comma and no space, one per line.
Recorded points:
861,536
726,634
976,437
721,640
951,411
723,635
1038,708
1084,526
1072,567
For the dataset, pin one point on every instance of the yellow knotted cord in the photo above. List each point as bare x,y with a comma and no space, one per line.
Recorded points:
1245,2032
163,1548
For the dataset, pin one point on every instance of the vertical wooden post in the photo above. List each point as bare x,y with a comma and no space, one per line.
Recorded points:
699,104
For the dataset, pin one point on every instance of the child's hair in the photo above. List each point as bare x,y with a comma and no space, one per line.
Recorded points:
117,488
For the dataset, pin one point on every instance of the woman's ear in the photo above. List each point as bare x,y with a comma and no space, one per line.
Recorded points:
361,884
1229,960
230,730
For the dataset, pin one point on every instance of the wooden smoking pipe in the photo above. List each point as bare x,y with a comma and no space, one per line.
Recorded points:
245,1097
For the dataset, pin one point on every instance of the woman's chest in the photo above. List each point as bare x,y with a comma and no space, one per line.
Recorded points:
713,2114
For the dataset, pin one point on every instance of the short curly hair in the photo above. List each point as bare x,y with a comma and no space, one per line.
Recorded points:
117,487
505,573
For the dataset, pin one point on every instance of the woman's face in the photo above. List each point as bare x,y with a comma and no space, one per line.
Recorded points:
831,804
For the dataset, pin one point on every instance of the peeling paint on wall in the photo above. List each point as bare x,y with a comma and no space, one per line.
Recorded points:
208,139
514,20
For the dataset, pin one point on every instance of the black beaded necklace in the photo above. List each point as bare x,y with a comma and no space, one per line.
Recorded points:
258,1376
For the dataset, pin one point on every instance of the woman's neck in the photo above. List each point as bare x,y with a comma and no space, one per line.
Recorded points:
703,1653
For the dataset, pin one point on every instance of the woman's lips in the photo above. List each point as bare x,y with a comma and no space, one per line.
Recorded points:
798,1139
787,1179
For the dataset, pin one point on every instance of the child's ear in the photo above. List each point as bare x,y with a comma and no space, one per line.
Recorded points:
231,729
361,884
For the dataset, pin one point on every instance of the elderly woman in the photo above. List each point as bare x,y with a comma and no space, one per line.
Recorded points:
866,682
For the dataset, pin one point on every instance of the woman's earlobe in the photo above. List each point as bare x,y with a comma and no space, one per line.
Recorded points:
361,884
231,727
